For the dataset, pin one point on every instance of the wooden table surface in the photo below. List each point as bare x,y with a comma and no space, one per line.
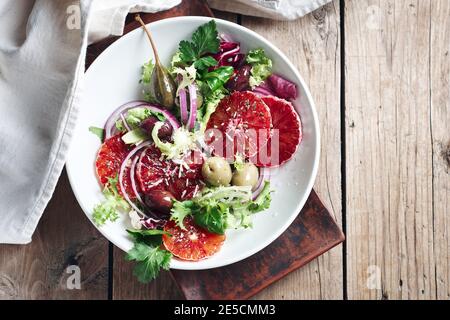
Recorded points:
380,75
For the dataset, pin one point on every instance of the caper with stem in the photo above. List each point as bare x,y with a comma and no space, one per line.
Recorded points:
162,85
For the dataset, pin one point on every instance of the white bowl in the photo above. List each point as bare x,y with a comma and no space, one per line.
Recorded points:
113,80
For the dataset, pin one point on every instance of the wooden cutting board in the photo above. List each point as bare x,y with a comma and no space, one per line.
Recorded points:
312,233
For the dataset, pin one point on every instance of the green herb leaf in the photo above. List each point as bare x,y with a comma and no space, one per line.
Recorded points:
150,260
212,217
215,79
188,52
204,40
261,66
151,237
108,209
205,63
99,132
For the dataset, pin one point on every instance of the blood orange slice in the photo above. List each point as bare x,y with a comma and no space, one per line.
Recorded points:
154,172
192,244
286,135
110,157
241,124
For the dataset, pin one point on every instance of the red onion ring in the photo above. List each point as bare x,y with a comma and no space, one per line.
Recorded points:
193,106
125,123
183,107
110,126
121,173
133,180
264,175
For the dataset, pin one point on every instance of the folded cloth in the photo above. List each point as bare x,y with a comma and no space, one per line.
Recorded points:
42,55
42,52
274,9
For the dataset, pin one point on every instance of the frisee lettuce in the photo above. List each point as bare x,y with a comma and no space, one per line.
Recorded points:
146,78
187,75
218,209
183,142
261,66
108,210
135,116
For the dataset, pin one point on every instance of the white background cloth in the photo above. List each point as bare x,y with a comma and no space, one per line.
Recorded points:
41,76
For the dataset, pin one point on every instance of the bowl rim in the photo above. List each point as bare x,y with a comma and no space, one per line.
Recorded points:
181,265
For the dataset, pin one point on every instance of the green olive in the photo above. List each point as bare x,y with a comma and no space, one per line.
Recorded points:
246,176
217,171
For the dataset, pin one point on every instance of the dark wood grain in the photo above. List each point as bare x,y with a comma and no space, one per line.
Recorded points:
310,235
64,237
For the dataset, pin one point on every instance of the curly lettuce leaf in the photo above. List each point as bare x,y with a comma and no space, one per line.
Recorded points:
221,208
108,210
187,75
261,67
135,116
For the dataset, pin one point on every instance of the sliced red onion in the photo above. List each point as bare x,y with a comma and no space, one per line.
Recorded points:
125,123
121,173
193,106
110,126
183,106
264,175
133,180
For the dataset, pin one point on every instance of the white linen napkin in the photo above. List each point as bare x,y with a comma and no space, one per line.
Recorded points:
274,9
42,56
42,52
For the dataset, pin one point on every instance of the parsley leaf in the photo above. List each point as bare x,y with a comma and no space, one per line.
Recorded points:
149,261
99,132
151,237
108,209
204,40
188,52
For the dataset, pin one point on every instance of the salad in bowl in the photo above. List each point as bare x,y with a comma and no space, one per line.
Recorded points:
192,158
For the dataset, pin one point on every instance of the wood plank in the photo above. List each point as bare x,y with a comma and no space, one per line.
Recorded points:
64,237
390,226
440,120
313,45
